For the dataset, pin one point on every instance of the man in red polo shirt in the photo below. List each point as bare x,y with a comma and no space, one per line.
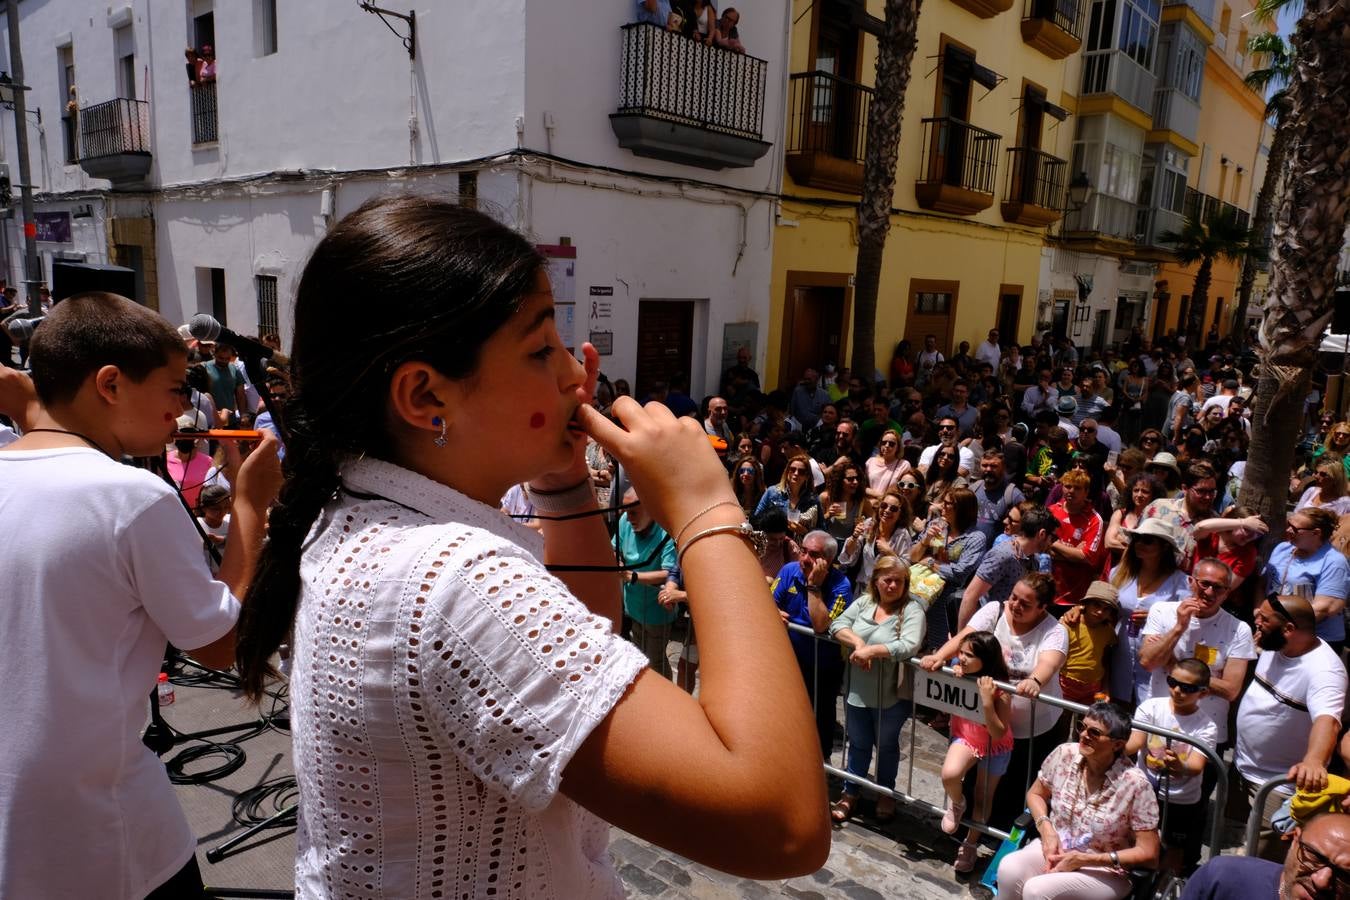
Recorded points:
1078,555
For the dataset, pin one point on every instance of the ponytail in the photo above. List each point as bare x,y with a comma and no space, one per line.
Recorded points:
273,597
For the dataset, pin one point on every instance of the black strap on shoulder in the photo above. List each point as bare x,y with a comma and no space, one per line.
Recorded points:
1281,695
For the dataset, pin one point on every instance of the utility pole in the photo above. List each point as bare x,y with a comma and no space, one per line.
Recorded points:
31,267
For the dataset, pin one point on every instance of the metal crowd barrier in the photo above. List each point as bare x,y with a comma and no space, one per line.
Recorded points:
1252,836
1218,803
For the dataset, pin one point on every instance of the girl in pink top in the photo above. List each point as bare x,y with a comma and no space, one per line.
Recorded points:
989,745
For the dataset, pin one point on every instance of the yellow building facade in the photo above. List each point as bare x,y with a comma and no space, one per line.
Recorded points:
1227,168
981,177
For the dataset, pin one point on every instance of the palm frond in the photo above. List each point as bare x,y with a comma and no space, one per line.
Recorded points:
1267,11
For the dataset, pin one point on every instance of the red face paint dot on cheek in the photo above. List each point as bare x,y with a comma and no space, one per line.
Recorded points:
537,420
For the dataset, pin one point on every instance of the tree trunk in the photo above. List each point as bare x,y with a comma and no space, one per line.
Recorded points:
1261,215
1309,227
1199,303
895,52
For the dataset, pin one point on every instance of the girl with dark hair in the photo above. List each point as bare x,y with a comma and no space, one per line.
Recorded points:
844,502
459,714
1141,490
875,537
747,480
987,745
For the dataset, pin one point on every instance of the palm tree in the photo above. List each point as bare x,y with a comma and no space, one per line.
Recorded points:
1274,75
1203,241
895,52
1309,227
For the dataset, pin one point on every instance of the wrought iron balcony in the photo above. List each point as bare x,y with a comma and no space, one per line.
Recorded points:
1054,27
1035,189
827,131
1206,208
115,141
686,102
205,123
958,166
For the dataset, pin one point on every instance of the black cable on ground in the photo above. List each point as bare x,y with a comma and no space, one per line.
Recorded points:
232,755
258,804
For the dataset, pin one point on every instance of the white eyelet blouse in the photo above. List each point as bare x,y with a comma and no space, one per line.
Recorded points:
441,682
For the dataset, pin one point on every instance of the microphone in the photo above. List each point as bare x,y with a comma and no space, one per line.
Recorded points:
204,327
22,329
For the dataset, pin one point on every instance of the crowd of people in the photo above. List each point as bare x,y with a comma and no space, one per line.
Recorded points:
1067,524
1044,525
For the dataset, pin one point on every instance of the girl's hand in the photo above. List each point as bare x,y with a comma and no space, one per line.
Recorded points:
987,689
577,470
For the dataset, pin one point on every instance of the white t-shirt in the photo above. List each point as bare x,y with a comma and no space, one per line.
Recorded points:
1022,652
1272,736
1158,711
1214,640
1219,400
462,678
108,570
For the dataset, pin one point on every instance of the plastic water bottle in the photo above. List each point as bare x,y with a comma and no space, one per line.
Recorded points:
165,689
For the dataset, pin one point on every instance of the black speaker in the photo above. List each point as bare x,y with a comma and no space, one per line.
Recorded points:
1340,311
71,278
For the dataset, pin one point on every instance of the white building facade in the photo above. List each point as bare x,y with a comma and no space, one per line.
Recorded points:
640,161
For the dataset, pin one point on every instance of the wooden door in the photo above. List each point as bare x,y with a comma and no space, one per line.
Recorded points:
1009,313
932,310
665,342
814,330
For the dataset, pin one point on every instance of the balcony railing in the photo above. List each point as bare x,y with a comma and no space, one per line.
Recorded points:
1113,72
1174,111
827,130
1034,194
1154,221
114,140
958,166
1054,27
689,94
1205,208
114,127
204,114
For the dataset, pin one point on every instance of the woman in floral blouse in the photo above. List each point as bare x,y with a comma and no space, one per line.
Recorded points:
1095,815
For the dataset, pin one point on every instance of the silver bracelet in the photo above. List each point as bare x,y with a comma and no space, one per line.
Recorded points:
755,539
566,500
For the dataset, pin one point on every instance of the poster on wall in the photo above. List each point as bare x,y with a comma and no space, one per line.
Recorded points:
53,227
562,275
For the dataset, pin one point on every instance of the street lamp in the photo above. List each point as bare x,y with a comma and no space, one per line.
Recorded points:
1080,192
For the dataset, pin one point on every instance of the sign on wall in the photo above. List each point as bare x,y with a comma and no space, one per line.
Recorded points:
53,227
957,696
562,275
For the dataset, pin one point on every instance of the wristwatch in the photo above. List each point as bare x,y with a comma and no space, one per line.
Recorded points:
1115,859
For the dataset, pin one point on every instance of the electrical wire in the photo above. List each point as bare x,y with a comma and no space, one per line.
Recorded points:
232,754
259,804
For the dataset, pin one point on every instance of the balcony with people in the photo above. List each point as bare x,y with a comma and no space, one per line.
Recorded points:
114,141
827,131
688,91
1054,27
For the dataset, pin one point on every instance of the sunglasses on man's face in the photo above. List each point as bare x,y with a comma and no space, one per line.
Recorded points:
909,485
1311,861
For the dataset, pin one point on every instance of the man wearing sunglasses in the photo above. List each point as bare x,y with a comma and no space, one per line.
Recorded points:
1317,868
1289,718
1200,627
949,431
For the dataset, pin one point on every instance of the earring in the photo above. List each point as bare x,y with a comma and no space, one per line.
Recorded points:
440,440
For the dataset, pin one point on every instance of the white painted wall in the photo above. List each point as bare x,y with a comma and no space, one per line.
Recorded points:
337,97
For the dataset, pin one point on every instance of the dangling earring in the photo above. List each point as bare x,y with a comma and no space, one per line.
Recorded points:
440,440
